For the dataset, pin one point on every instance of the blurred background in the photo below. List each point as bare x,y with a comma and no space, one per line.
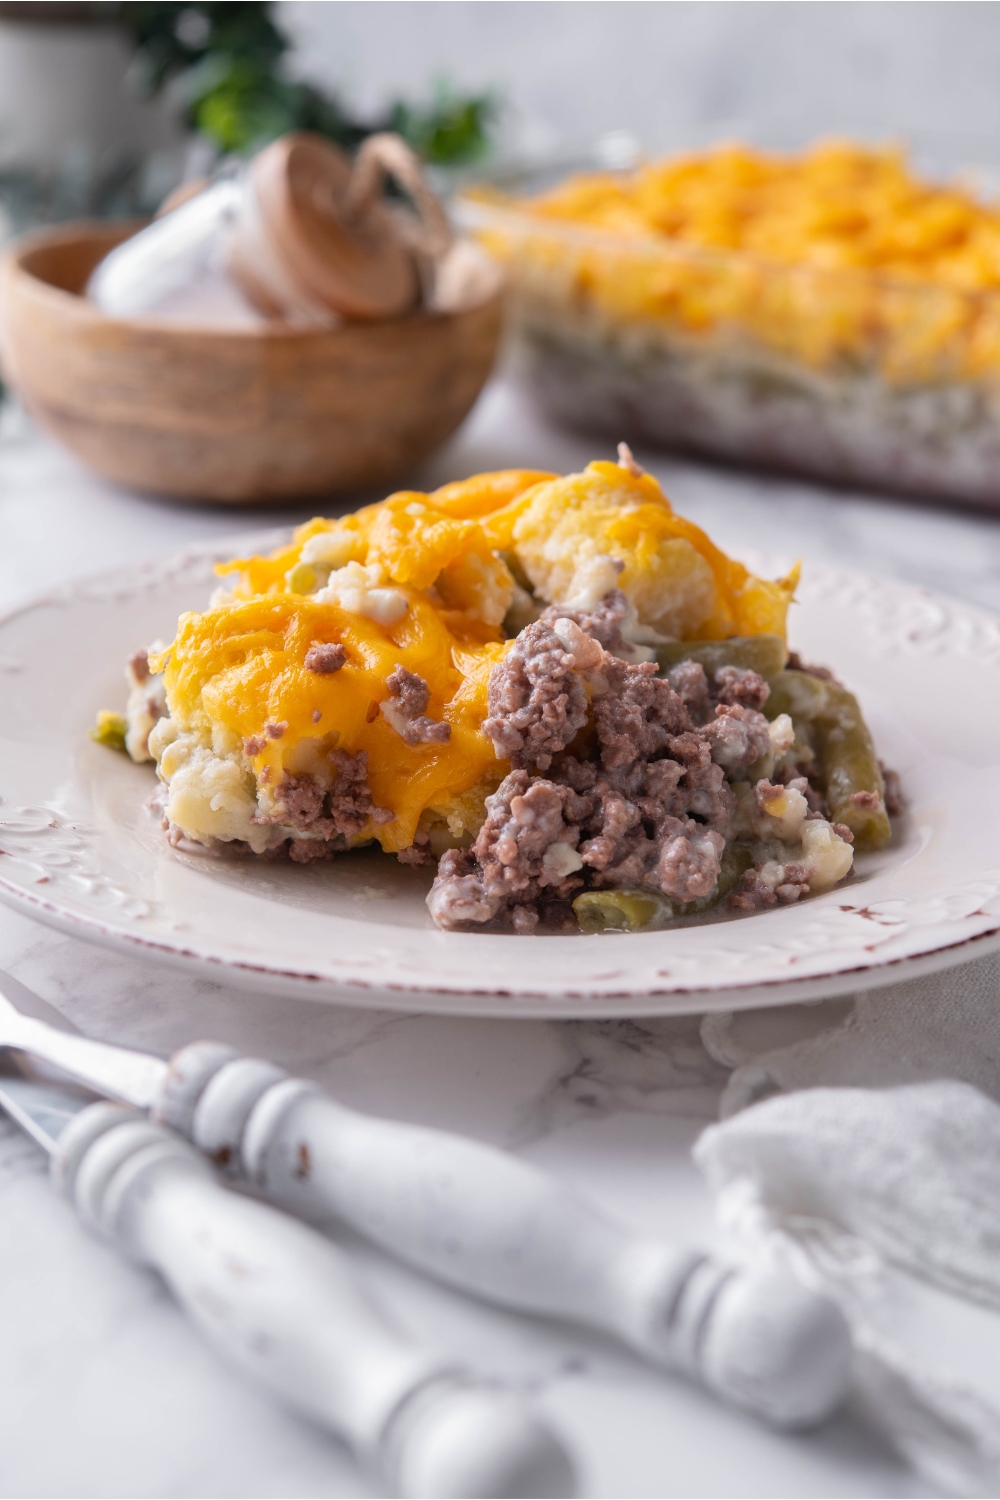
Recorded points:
104,107
673,73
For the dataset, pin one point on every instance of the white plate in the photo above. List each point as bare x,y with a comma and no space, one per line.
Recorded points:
78,850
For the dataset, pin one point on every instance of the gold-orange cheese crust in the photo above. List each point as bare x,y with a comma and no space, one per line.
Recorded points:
236,675
838,255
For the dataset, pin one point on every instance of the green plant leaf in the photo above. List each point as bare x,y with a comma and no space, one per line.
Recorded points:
226,62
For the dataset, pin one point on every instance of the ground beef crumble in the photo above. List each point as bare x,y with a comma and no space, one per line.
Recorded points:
306,851
406,710
138,666
740,687
731,687
755,892
327,818
893,791
737,737
526,846
325,658
690,683
603,623
416,854
638,714
651,808
537,701
796,664
458,898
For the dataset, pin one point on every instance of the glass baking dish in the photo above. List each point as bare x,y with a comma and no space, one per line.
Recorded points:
847,375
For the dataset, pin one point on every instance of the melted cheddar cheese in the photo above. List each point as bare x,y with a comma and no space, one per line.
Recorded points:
682,586
239,668
416,539
417,581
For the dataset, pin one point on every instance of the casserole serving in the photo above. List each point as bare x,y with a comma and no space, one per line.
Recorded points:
554,693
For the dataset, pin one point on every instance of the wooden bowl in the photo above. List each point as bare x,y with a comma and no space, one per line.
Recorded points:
231,415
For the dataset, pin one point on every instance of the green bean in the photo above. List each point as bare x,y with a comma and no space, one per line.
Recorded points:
765,654
624,909
798,694
851,768
735,860
844,744
638,908
302,579
110,729
516,569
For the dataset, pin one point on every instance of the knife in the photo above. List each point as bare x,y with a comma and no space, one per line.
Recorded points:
281,1304
473,1216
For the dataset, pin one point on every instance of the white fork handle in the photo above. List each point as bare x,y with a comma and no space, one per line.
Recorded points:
283,1306
490,1223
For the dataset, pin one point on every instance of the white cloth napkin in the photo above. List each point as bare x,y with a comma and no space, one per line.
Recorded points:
885,1195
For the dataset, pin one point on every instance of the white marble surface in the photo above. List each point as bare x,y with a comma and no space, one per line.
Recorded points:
106,1389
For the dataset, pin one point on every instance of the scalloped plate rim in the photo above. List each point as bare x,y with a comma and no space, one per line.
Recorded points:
517,999
495,1004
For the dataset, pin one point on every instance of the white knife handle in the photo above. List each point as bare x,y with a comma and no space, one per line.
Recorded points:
468,1213
282,1305
492,1224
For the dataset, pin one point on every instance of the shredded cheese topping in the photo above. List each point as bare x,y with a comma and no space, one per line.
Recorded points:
833,253
418,581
